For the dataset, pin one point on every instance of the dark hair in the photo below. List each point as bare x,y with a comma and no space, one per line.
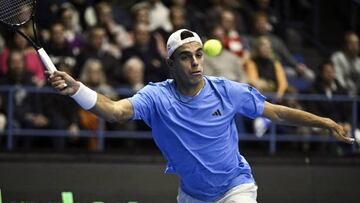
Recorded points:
323,64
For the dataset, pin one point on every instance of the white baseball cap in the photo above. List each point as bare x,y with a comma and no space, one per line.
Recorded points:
180,37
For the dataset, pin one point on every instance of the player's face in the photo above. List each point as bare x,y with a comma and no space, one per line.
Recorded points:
188,64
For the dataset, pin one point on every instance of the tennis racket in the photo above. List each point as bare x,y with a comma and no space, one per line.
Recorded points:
16,13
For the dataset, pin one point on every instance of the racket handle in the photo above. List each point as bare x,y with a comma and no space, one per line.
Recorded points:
46,60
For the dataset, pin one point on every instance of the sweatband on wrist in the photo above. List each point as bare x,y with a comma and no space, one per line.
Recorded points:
85,97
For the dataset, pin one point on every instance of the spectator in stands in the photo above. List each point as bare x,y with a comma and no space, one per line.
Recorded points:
327,84
134,73
158,14
72,29
16,75
146,49
33,63
217,8
261,23
93,76
266,7
178,21
192,17
266,73
347,63
140,13
264,70
134,76
29,109
116,33
227,64
58,48
84,12
96,48
232,39
64,118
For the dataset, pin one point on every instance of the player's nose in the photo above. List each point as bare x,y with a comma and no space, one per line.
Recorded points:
194,62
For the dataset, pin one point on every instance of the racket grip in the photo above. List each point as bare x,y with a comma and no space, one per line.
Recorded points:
46,60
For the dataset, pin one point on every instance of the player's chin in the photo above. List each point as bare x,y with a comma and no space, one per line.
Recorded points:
194,80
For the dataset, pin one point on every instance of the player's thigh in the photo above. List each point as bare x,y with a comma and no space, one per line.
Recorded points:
246,193
184,198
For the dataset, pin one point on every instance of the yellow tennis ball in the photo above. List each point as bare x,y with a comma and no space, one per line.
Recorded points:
212,47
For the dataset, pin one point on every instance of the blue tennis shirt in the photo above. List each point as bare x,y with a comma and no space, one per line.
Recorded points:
197,135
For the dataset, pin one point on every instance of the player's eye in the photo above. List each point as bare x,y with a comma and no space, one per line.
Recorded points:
184,57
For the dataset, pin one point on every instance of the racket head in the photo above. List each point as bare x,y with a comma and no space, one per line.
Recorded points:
15,13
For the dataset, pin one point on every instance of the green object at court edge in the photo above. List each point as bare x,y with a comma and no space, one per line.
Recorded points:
0,197
67,197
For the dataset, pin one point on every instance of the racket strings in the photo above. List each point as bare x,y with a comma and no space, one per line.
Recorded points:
15,12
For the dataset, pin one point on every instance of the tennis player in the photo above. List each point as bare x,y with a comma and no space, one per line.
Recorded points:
192,121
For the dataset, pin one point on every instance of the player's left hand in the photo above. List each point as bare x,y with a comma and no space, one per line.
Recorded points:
340,133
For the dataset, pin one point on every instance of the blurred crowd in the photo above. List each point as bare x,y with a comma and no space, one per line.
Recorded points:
112,44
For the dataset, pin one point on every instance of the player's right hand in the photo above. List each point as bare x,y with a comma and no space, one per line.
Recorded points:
63,82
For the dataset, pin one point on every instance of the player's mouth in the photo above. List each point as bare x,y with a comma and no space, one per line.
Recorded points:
196,73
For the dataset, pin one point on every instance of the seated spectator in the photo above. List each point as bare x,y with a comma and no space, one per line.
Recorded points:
178,21
17,73
146,49
116,33
266,74
140,13
193,17
84,14
158,14
326,84
133,71
235,7
29,109
267,7
264,71
72,29
232,39
92,75
33,63
64,118
58,48
227,64
96,48
261,28
347,63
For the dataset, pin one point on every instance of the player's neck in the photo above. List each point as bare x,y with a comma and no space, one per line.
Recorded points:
190,90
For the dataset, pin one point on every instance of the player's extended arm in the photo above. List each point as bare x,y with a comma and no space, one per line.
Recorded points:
285,115
98,104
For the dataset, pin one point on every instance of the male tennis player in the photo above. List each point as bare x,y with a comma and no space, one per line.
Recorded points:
192,121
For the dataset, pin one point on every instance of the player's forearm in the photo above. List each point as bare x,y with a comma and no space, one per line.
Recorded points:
105,108
102,106
290,116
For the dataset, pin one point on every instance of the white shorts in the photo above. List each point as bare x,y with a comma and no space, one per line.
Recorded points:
245,193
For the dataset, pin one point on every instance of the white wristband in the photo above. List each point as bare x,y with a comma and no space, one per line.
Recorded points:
85,97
